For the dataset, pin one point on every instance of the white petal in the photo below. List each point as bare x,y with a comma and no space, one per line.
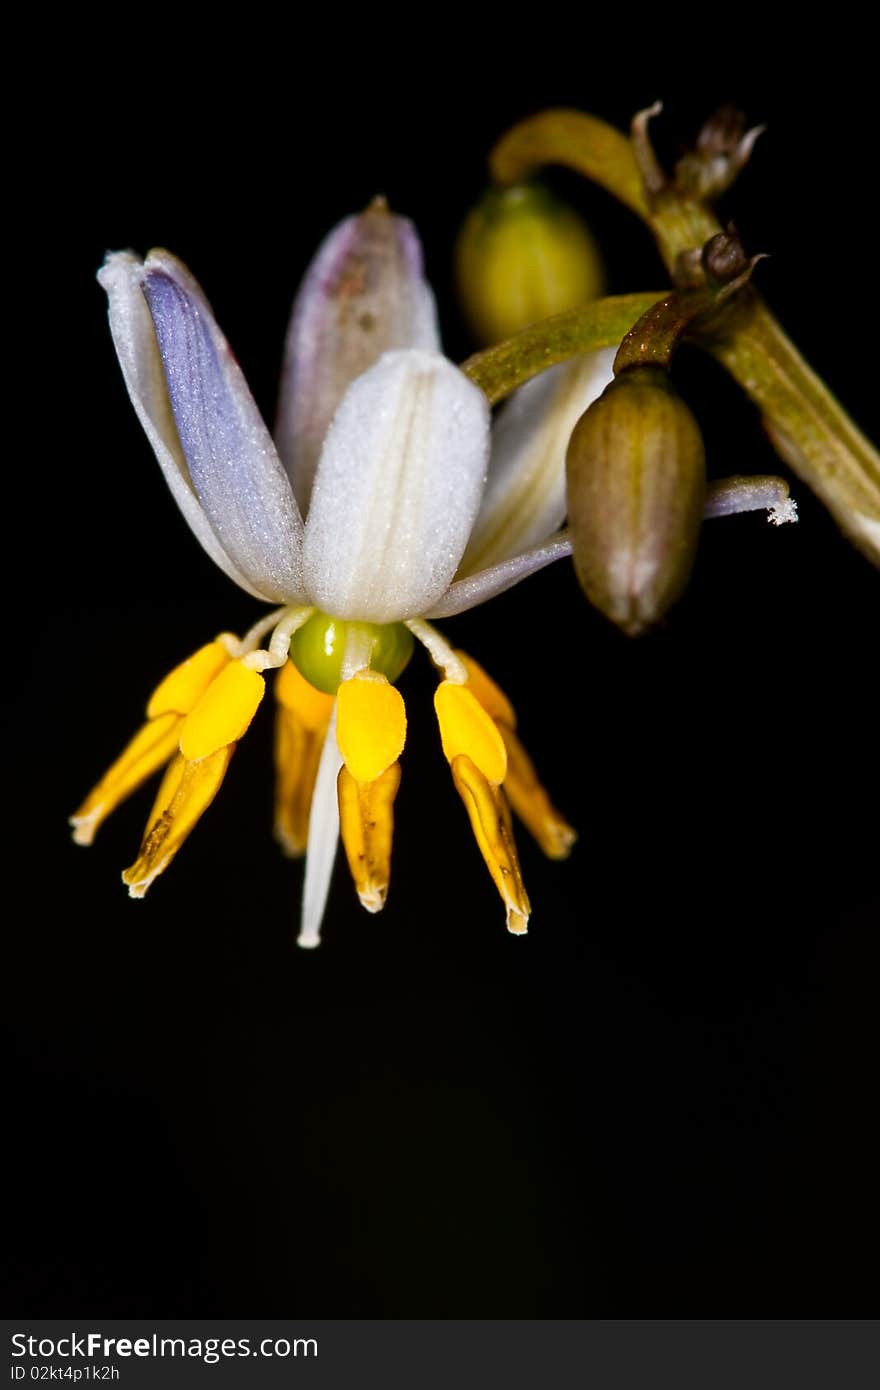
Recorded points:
524,501
323,839
363,294
138,352
485,584
232,461
397,489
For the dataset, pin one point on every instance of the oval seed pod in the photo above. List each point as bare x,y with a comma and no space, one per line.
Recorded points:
636,481
523,255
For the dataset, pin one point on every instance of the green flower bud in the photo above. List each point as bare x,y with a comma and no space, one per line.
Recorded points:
523,255
636,474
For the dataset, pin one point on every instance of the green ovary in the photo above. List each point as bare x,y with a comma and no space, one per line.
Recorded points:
318,647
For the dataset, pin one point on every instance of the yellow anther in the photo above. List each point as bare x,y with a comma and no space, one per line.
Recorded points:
149,750
223,713
490,695
366,822
300,727
531,802
155,742
311,706
187,683
370,724
490,822
187,790
465,727
521,784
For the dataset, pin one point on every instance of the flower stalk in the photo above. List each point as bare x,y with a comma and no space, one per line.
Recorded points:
499,370
809,428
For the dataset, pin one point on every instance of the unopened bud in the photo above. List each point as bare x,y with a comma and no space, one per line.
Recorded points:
636,476
522,256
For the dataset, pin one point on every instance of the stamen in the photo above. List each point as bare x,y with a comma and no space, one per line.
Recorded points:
312,707
531,802
183,687
157,741
465,727
300,727
230,643
255,634
149,750
187,790
441,653
279,644
490,822
371,724
521,784
223,713
490,695
366,818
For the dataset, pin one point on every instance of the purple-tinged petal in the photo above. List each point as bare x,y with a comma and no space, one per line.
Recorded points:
479,588
232,461
363,295
138,352
524,501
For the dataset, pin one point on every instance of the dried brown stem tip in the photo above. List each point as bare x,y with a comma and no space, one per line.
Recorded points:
723,148
724,258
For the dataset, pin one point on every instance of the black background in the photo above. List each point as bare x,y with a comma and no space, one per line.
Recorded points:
658,1103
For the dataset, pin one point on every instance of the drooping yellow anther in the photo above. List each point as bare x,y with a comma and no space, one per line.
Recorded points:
311,706
223,712
531,802
370,724
300,726
490,821
490,695
366,823
466,727
521,783
183,687
155,742
187,790
149,750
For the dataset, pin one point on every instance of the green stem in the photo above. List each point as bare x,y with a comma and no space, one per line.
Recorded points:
600,324
809,428
653,339
680,224
574,138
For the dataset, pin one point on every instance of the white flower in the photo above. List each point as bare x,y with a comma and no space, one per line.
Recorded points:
384,446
